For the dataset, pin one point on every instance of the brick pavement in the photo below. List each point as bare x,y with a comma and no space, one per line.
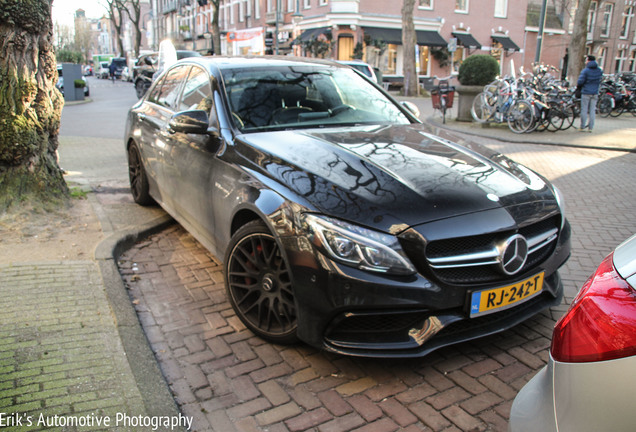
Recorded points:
230,380
60,354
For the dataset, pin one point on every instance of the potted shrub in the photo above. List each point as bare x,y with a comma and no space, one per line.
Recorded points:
79,89
474,73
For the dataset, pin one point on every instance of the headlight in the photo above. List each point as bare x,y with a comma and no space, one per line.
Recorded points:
357,246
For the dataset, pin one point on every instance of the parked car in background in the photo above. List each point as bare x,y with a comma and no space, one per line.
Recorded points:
588,384
125,74
146,66
104,72
342,220
363,67
60,82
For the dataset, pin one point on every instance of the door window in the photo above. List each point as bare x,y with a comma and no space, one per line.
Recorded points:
171,87
197,93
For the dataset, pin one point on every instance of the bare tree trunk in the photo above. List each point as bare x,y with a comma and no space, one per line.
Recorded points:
135,18
30,105
576,62
116,15
408,43
216,32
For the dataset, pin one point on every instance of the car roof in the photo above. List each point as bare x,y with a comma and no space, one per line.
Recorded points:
223,62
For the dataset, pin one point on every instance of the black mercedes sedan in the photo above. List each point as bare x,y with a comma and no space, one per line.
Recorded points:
341,220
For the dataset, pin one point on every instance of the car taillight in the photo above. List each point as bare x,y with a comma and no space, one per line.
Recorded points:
601,322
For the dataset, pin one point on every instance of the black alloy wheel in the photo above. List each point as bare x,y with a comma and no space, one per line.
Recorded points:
137,177
259,285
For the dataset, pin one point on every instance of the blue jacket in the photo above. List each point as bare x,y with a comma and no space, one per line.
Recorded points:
590,78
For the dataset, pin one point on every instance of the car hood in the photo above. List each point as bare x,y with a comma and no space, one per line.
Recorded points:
389,177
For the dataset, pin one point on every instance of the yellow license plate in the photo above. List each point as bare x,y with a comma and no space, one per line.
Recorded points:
496,299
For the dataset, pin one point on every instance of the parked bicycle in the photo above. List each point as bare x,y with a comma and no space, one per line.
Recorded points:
442,95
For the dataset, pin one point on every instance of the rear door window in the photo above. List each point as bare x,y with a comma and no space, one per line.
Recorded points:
168,94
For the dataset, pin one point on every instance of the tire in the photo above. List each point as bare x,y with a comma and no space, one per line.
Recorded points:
137,176
481,110
521,116
604,105
556,117
568,117
258,284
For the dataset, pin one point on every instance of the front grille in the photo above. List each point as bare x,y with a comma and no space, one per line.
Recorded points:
378,322
474,259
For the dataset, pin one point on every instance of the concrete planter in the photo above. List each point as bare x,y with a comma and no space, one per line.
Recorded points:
79,94
465,97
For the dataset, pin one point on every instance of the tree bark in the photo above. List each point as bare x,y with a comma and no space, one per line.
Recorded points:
408,43
30,105
116,14
216,31
576,55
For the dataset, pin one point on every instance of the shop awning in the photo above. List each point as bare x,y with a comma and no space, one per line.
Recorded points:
466,40
394,36
312,33
430,38
506,43
388,35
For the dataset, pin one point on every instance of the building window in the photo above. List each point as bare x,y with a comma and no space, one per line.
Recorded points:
591,19
600,59
425,4
424,60
501,8
231,13
632,62
461,6
257,9
628,14
621,58
270,6
607,19
390,65
322,3
241,11
307,4
458,58
290,5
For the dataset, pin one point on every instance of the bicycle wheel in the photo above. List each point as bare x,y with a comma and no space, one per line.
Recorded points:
521,116
555,117
604,105
618,110
568,114
631,106
482,111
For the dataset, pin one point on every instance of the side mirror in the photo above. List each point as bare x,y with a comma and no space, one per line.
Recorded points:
412,108
191,122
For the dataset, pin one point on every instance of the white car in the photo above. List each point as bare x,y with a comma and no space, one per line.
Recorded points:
361,66
104,72
589,384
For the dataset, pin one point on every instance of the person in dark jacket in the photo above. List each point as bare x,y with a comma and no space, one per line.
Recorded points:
589,81
112,68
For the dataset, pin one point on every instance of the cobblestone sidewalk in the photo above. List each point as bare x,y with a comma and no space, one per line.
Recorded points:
60,353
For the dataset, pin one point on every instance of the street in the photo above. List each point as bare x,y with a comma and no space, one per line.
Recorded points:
227,379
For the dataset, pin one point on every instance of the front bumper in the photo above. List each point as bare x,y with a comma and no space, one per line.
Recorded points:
357,313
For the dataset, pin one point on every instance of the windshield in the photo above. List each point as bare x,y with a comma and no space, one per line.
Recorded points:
305,96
